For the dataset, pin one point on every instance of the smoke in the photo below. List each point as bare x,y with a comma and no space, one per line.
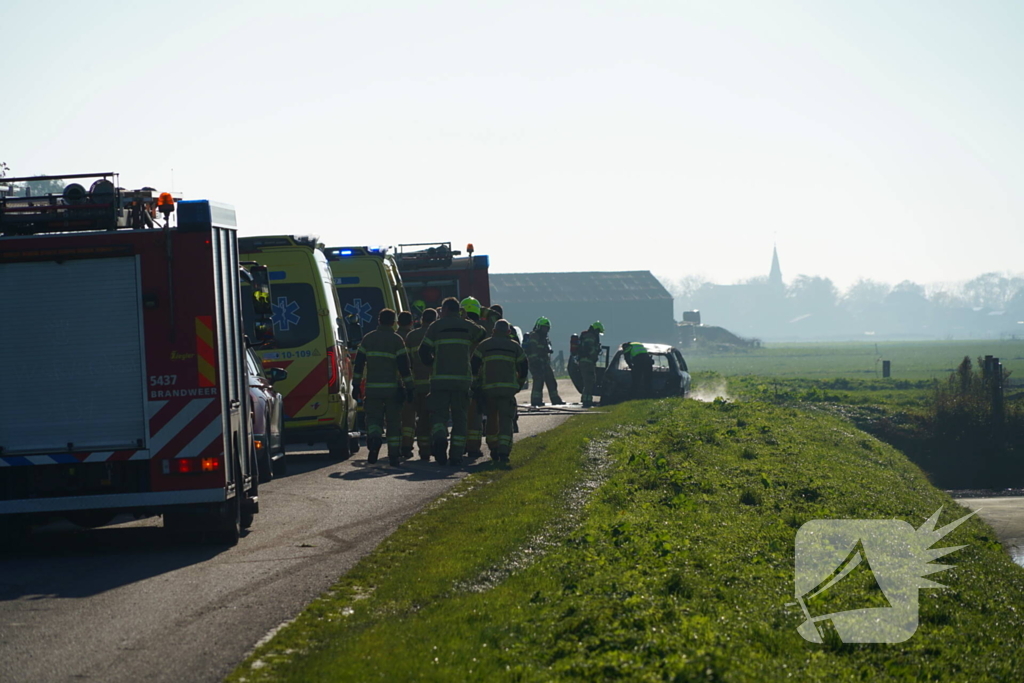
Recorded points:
710,390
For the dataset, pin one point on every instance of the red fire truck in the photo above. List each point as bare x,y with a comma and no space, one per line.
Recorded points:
432,272
125,383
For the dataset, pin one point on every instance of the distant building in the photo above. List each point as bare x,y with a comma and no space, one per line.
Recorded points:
775,275
633,305
756,308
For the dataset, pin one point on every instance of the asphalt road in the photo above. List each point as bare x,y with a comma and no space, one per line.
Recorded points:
1006,517
125,603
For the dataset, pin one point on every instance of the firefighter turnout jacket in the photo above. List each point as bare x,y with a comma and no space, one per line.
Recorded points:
420,370
632,350
386,361
538,346
447,347
501,365
590,346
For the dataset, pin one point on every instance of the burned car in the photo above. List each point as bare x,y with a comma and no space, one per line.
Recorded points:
669,375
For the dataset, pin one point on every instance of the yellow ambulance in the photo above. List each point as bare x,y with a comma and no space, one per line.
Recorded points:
310,342
367,280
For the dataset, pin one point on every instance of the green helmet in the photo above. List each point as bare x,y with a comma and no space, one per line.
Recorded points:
470,305
598,326
542,322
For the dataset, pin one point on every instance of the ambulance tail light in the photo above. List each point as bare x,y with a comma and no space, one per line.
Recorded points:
333,386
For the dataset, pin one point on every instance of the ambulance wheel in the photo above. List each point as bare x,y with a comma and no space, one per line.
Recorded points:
353,444
338,446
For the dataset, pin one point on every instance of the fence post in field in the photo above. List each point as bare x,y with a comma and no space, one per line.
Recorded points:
992,377
998,412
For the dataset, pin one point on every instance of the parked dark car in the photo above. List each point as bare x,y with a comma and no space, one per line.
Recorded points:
267,417
669,376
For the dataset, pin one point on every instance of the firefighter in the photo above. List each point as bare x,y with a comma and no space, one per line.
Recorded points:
409,407
488,317
383,354
418,307
404,324
499,313
421,378
641,368
447,347
538,350
590,350
501,368
471,310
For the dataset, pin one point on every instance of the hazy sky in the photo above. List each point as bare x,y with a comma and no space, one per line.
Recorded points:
867,139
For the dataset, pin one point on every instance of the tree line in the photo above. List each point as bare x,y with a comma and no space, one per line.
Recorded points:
989,305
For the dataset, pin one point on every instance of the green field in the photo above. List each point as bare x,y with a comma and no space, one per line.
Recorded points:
858,360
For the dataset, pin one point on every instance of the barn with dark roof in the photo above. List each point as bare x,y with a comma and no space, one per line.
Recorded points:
633,305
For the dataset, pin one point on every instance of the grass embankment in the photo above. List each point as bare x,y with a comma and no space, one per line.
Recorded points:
952,437
679,567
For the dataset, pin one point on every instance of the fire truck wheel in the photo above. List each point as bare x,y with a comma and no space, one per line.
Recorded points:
248,515
13,532
280,466
265,467
250,506
227,526
90,519
338,446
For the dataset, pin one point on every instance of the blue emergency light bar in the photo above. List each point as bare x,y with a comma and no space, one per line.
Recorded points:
338,253
199,215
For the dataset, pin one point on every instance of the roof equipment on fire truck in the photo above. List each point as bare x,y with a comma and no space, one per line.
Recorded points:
104,206
435,255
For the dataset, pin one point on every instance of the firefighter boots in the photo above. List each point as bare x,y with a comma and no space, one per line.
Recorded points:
439,448
373,444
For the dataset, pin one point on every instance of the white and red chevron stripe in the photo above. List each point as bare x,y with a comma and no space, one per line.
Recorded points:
178,428
71,458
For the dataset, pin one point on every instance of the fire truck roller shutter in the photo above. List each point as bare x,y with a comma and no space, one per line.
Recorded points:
72,347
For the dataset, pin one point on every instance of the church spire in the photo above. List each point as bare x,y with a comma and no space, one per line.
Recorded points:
775,276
